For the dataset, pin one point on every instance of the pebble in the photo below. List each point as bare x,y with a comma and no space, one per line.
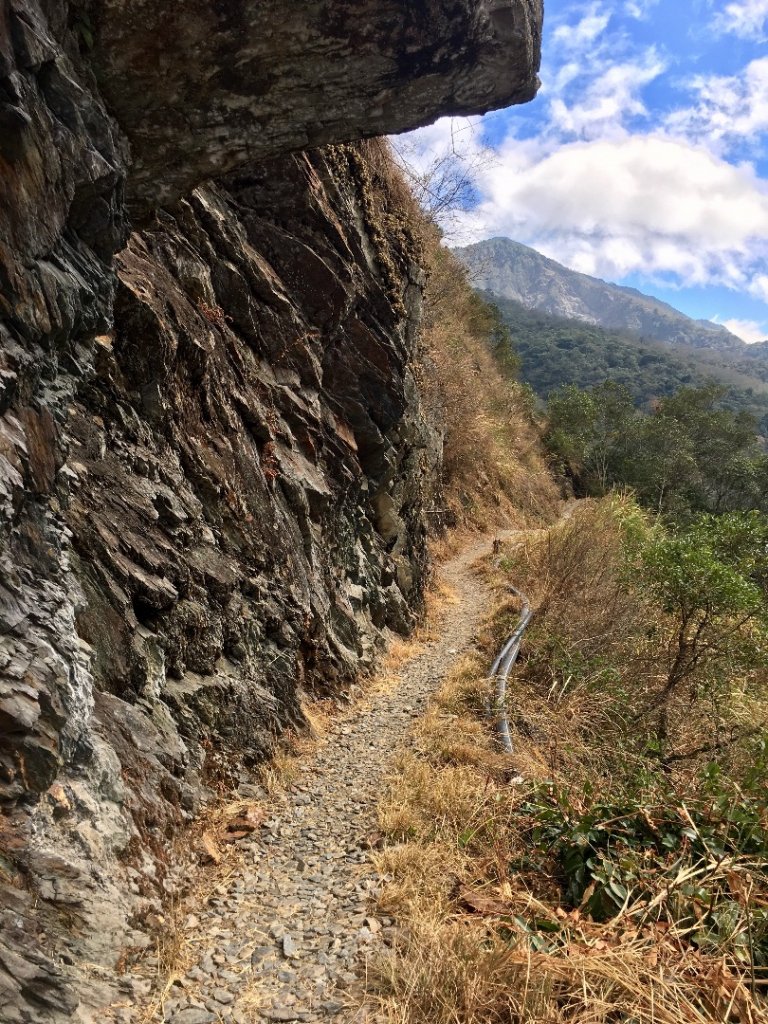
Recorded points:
194,1016
306,891
332,1007
280,1013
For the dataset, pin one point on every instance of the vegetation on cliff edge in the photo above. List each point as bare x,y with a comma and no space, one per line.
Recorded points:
495,466
614,867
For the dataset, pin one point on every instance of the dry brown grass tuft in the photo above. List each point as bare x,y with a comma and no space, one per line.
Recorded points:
571,703
458,971
487,935
281,771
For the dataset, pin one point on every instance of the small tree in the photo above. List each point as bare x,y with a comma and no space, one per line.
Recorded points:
658,463
727,456
487,323
444,179
711,584
587,431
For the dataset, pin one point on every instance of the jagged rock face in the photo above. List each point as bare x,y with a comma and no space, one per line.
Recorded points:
202,87
238,519
245,428
212,458
62,165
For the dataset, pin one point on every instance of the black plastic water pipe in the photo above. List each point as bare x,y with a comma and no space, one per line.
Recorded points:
500,670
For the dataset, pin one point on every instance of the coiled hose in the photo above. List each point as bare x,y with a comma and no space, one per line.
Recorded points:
500,674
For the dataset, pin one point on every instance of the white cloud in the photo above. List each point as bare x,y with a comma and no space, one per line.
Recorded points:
560,81
609,101
745,18
640,203
758,286
639,8
591,25
748,330
730,108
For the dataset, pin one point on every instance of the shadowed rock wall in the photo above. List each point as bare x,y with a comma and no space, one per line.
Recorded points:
203,87
212,457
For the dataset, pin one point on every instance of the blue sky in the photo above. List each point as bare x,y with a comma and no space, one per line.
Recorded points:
644,159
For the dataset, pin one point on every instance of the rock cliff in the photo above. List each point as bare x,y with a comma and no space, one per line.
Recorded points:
213,460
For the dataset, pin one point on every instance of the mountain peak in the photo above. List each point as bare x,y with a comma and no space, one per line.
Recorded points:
511,270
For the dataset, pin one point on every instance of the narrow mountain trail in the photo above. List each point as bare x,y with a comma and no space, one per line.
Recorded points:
288,935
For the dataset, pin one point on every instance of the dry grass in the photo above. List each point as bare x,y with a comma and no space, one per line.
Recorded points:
487,936
494,468
282,769
569,701
458,971
212,856
594,665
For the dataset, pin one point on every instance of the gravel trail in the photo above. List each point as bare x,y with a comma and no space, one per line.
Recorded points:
288,936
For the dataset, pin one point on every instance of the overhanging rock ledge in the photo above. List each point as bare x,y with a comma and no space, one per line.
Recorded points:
213,457
203,87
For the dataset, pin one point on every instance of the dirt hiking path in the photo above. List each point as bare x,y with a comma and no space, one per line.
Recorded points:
287,937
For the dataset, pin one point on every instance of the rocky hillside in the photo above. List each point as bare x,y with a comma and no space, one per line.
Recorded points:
213,458
514,271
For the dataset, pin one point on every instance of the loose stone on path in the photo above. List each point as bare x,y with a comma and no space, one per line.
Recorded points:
287,937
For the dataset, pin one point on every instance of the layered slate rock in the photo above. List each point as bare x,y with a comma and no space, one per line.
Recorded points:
212,459
234,521
203,87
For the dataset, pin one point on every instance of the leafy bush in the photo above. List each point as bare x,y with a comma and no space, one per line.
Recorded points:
654,854
709,582
688,455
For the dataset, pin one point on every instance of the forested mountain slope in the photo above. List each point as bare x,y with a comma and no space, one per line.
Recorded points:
554,351
514,271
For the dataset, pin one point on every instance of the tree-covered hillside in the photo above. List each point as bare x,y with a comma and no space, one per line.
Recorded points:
686,457
554,351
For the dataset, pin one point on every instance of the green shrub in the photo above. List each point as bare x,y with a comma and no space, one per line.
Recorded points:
695,861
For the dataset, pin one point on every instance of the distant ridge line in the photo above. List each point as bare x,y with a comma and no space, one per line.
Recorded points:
511,270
